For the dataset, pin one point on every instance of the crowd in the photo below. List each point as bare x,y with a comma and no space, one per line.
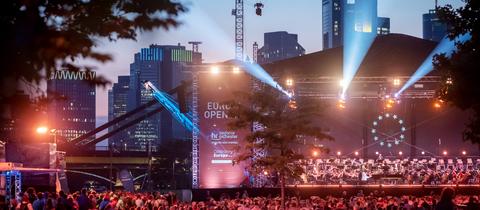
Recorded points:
385,171
30,200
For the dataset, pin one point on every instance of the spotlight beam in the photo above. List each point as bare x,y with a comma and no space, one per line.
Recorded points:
259,73
359,34
172,106
446,46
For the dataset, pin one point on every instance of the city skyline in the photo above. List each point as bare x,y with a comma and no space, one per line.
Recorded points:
218,40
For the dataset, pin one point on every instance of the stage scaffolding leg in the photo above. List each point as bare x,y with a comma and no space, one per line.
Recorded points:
365,129
260,180
195,133
18,183
413,132
8,186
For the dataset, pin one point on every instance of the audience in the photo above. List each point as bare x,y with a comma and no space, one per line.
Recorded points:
157,201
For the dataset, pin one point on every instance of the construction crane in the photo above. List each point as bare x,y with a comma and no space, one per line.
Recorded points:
239,21
238,13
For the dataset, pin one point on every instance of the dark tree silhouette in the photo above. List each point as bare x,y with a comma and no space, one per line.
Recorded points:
41,36
461,72
285,124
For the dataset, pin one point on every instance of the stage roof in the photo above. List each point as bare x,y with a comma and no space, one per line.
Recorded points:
389,55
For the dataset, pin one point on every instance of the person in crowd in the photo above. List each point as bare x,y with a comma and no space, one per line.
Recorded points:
39,203
446,200
83,201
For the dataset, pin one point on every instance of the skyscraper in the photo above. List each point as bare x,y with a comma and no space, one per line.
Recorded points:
364,19
279,45
433,28
163,66
383,27
332,23
117,106
74,113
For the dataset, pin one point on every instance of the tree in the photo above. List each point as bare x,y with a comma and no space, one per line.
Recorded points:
42,36
460,73
285,124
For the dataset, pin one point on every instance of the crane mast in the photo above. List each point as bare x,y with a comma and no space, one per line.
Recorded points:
239,40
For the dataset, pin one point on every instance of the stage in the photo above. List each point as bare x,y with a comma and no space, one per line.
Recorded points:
337,190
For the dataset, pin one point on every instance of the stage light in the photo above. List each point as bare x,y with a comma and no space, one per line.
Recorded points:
339,153
214,70
389,102
356,153
445,153
289,82
400,153
446,46
292,104
341,104
315,153
449,81
423,153
437,104
265,173
396,82
42,130
236,70
376,153
464,152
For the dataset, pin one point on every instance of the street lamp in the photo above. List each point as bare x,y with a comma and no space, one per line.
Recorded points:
42,130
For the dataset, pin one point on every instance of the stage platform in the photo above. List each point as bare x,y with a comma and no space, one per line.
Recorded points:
337,190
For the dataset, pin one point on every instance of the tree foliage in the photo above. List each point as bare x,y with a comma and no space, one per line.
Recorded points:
285,124
41,36
460,72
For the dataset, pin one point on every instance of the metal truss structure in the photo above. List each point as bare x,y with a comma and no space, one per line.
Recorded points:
17,184
260,179
239,41
195,132
365,87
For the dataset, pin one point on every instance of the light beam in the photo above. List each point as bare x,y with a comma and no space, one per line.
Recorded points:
360,27
446,46
258,72
167,101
